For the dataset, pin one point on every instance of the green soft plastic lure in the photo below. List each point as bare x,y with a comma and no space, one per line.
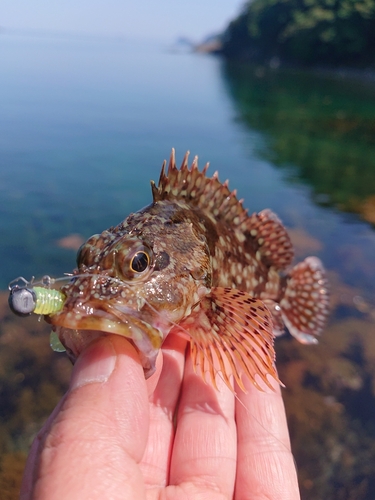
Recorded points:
26,298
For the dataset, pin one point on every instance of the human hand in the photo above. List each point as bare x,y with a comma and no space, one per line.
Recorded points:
116,436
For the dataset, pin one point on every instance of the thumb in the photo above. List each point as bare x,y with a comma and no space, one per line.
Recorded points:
92,443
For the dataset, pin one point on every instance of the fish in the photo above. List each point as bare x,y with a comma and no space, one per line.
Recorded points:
195,263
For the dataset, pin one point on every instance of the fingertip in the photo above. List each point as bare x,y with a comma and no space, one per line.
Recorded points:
95,364
123,346
98,361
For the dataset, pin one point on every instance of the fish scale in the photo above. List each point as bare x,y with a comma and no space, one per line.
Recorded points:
195,262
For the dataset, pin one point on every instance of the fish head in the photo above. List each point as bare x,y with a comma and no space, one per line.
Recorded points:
134,283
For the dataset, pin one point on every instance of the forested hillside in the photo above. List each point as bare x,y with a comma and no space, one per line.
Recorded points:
308,32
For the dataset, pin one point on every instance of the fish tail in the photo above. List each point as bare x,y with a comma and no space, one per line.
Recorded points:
305,304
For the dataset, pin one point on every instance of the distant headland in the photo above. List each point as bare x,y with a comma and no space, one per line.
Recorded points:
334,33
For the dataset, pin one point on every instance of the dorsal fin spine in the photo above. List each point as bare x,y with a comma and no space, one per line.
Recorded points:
193,186
184,164
162,173
194,165
172,162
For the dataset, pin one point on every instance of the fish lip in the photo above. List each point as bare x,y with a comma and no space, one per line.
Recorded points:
80,323
94,315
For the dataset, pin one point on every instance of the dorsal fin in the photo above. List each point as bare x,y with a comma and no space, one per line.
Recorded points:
272,239
208,194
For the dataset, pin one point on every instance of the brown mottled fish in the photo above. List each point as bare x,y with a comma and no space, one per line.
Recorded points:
195,262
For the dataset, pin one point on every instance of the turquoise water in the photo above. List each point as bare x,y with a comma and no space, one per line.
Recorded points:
85,124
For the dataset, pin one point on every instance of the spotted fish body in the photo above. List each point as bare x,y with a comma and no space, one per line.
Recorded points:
194,262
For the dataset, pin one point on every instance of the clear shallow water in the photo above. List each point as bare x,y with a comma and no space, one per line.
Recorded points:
85,124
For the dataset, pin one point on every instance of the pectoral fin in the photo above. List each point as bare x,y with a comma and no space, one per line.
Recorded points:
231,333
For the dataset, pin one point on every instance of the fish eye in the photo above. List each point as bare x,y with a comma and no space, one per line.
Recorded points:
140,262
133,259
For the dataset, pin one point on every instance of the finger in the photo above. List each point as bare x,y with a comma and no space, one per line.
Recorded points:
204,451
152,382
156,460
265,463
91,447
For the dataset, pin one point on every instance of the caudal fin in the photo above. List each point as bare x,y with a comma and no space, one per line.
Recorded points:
305,304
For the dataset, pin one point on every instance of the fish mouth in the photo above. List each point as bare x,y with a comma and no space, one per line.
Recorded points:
79,324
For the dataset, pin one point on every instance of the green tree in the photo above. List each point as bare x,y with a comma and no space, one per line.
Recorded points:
304,31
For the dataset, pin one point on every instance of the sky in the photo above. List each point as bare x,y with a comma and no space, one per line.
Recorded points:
156,19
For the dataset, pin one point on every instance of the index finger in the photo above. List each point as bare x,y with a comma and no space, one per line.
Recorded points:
265,462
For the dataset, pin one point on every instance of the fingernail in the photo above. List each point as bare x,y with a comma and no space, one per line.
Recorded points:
95,364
